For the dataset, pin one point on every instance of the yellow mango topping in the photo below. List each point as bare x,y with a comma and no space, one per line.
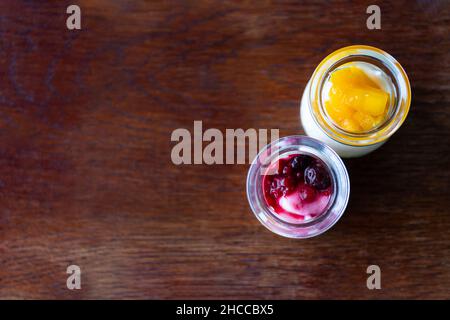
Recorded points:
356,103
366,121
350,125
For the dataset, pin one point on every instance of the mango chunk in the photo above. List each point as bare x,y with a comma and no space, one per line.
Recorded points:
350,77
350,125
379,120
372,101
338,112
355,102
366,121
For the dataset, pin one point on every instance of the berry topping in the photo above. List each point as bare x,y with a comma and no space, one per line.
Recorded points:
287,171
306,193
289,183
317,176
282,164
299,163
297,187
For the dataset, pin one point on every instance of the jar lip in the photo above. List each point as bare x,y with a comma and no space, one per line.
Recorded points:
402,99
301,144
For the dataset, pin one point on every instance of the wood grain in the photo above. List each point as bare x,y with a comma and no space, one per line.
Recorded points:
86,176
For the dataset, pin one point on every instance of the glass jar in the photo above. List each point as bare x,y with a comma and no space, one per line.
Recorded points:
298,145
317,124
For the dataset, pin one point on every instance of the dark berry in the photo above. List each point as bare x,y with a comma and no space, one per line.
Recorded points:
281,165
306,193
302,179
289,183
299,163
287,171
317,176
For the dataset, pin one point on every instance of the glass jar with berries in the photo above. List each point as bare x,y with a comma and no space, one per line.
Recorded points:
298,187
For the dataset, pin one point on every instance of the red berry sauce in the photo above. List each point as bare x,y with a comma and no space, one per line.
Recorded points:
297,187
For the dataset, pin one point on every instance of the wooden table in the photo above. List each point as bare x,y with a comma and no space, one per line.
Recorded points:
86,176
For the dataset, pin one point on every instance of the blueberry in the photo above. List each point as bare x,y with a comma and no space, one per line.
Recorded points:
299,163
317,176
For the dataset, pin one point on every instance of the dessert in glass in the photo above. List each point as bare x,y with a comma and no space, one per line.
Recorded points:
356,99
298,187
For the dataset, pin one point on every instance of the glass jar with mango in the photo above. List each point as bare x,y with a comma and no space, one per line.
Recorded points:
356,99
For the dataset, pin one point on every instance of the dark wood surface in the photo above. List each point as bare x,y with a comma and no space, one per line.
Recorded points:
86,176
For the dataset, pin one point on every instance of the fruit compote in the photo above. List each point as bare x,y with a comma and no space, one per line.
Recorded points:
297,187
357,97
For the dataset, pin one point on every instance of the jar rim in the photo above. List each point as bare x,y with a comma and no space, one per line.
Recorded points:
359,53
302,145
